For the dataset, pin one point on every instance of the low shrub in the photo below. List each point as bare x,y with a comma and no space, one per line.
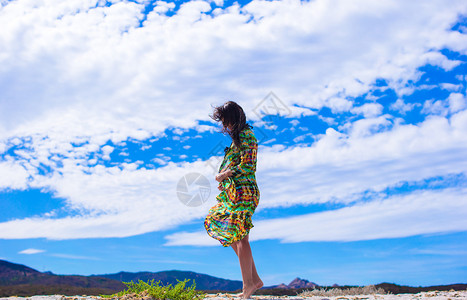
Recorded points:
153,290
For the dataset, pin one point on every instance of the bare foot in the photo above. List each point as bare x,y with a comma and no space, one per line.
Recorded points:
238,295
248,291
259,284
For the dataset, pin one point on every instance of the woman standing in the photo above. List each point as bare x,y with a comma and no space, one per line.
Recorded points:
229,221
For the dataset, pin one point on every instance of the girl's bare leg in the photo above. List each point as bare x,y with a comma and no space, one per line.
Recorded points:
251,280
256,279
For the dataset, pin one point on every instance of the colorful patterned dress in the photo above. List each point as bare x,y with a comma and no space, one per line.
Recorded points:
230,219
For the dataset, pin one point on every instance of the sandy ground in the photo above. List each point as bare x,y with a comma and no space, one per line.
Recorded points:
434,295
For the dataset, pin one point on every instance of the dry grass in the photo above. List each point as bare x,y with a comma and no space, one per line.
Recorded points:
365,290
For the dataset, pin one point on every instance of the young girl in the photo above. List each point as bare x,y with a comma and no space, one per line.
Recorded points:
229,221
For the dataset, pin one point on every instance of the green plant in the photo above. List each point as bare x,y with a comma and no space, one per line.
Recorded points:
152,290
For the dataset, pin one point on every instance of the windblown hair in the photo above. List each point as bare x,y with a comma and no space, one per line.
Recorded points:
230,113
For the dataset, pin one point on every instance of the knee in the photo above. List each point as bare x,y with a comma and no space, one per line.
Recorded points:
237,245
243,243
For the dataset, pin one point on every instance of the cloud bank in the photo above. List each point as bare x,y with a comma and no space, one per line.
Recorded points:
76,76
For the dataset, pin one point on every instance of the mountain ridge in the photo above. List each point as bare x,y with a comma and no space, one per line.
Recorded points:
296,283
21,280
202,281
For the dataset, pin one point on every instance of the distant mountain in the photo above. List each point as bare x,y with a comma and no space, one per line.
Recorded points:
11,273
403,289
297,283
20,280
202,281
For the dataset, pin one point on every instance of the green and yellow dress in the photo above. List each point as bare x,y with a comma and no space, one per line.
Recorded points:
230,219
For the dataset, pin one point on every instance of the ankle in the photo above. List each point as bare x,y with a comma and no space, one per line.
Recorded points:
248,283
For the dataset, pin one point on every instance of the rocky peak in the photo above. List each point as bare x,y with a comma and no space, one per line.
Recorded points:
301,283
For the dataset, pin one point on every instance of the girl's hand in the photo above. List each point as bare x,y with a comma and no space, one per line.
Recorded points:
220,176
223,174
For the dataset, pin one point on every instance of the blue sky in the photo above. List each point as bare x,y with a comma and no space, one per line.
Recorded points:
359,108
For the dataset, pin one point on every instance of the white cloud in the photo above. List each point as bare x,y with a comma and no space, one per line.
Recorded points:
81,90
454,103
72,256
403,107
339,105
438,59
61,87
31,251
368,110
300,138
368,126
457,102
13,175
438,251
106,150
113,202
124,201
163,7
294,122
422,212
451,87
435,107
184,238
339,165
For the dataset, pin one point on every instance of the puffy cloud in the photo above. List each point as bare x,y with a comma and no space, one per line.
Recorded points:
454,103
106,151
75,75
403,107
13,175
368,110
435,107
457,102
339,167
126,200
57,74
418,213
113,202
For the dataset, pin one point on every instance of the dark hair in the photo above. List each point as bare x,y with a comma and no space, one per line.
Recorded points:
230,113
